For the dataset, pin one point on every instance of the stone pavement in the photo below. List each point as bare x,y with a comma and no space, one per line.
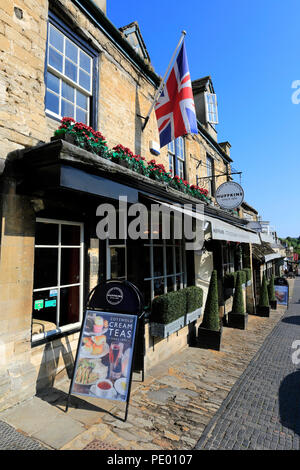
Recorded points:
169,410
262,411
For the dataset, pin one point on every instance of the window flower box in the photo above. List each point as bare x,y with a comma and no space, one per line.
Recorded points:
164,330
173,311
85,137
192,316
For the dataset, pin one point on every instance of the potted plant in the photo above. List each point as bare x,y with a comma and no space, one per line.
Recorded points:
81,135
210,330
238,318
168,313
263,308
157,171
271,292
121,155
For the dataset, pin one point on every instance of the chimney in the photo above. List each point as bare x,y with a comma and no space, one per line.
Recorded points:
101,4
225,146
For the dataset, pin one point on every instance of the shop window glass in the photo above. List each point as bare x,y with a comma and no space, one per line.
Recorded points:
118,262
58,283
166,267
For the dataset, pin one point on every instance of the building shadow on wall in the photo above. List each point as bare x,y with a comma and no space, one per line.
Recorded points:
48,372
289,402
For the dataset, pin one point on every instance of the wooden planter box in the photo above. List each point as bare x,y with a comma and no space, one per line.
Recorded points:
273,304
209,339
238,320
263,311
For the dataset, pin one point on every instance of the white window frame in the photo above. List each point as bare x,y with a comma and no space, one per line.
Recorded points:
62,77
108,258
165,276
59,246
211,108
176,152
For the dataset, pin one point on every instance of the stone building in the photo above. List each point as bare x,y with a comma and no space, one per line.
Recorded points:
65,58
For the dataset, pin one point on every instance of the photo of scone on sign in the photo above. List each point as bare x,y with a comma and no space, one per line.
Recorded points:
95,346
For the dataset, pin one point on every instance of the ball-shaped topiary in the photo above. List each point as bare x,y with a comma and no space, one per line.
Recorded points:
211,319
238,305
264,296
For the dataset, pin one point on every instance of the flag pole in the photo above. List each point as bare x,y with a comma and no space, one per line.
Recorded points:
158,93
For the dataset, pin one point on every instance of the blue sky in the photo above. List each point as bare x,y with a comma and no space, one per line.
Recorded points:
251,49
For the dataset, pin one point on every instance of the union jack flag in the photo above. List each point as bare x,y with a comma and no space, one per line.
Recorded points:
175,108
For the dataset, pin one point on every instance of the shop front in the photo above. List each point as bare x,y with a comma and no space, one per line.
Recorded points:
227,249
68,194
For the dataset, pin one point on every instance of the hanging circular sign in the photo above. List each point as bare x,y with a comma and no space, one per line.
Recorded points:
229,195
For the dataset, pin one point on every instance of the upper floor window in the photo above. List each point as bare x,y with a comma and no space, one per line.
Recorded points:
211,175
176,157
211,108
69,76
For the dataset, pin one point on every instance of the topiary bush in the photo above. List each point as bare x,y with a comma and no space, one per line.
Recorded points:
263,295
211,319
271,290
168,307
238,305
248,274
194,298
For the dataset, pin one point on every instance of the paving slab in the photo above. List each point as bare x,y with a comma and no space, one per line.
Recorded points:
59,431
31,416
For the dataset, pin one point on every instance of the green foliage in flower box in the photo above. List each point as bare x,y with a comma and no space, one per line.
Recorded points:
211,318
88,139
173,305
168,307
194,298
230,278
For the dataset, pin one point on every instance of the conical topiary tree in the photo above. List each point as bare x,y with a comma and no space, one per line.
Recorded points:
211,319
271,290
238,305
263,295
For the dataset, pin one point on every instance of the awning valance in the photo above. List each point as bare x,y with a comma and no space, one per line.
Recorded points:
273,256
220,230
266,237
223,231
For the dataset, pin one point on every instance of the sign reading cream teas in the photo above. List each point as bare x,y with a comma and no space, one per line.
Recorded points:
229,195
104,362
